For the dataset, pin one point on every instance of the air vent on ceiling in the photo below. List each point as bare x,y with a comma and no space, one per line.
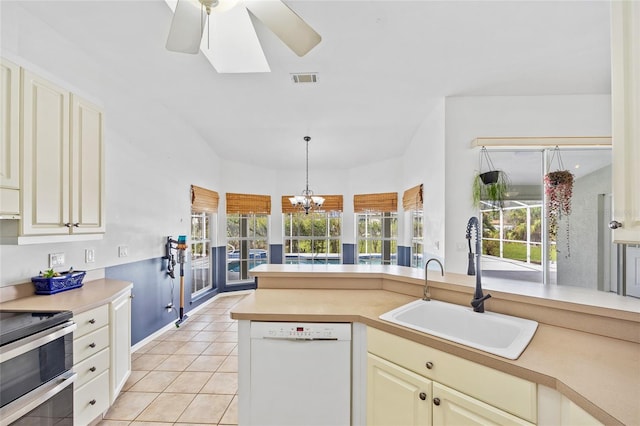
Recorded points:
310,77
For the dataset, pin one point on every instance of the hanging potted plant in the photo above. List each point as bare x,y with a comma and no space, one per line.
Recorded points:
490,185
558,187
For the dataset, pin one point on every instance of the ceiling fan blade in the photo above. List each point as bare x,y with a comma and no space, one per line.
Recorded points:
233,46
286,24
187,25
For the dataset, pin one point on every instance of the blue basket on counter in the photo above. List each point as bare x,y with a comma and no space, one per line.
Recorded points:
52,285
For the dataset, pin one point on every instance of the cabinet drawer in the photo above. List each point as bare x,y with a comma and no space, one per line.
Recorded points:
91,400
90,344
512,394
91,367
91,320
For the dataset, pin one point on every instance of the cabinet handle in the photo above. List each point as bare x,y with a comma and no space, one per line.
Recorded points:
614,224
92,345
92,321
429,365
92,369
68,225
77,224
436,401
92,402
423,396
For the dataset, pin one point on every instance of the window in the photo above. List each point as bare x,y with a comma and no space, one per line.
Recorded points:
412,201
204,203
247,235
200,253
377,228
518,243
417,239
313,237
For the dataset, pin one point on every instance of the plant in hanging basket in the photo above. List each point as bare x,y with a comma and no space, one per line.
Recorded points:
491,187
558,187
490,177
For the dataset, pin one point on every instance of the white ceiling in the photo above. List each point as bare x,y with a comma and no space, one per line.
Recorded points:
382,67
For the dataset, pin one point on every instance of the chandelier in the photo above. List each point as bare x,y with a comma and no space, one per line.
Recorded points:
307,200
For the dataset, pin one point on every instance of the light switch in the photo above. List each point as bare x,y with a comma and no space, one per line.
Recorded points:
89,255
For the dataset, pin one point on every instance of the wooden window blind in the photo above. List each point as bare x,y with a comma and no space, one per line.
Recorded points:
248,203
412,198
204,200
332,203
382,202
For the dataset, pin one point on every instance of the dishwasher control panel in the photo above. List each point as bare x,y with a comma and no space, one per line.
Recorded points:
300,331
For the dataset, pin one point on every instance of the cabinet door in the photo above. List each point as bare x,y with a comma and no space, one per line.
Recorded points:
454,408
396,396
9,138
45,200
87,167
120,324
625,92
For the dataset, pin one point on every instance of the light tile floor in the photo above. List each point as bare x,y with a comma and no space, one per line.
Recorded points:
186,376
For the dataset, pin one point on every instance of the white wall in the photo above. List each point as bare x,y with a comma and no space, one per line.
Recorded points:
424,163
150,160
580,267
467,118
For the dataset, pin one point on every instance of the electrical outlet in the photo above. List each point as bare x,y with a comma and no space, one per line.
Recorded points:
56,259
123,251
89,255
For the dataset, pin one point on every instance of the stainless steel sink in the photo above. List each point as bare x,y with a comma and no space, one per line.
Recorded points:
499,334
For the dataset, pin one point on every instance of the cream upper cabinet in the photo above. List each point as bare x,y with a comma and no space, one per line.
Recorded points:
120,322
395,395
9,139
87,167
45,199
625,98
63,172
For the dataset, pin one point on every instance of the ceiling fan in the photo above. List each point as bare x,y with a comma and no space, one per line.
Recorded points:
232,44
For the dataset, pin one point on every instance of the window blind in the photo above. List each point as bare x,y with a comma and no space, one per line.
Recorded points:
382,202
332,203
412,198
248,203
204,200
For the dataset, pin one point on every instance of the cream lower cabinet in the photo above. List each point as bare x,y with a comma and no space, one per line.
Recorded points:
120,314
400,373
91,358
101,357
395,395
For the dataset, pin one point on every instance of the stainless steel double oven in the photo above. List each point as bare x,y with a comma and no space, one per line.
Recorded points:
36,360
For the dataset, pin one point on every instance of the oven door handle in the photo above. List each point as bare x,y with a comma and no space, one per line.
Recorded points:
23,405
17,348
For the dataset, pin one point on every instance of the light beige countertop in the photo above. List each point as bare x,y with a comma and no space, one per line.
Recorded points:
598,372
91,295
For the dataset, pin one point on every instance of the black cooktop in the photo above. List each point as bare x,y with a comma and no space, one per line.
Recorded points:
15,325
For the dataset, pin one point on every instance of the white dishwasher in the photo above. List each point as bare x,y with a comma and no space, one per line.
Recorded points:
300,374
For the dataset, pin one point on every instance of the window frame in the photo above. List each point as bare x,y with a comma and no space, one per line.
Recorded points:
386,239
245,240
206,241
289,240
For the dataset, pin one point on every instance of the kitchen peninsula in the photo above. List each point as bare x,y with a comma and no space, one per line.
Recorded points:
586,348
